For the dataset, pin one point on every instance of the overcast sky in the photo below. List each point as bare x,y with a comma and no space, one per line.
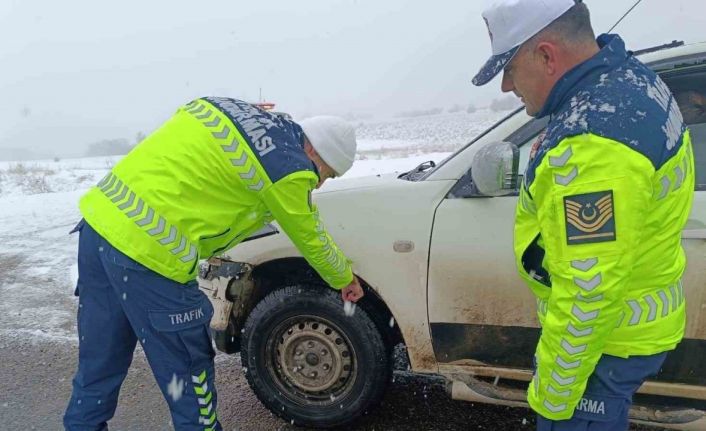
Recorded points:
76,71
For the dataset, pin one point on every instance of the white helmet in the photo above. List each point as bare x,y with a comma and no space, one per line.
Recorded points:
333,138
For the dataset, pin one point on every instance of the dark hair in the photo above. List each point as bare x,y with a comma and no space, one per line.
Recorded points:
574,26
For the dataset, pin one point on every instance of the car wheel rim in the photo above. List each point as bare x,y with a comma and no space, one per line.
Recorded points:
312,360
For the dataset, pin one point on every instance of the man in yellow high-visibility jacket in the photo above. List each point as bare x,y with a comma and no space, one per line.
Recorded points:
213,174
604,199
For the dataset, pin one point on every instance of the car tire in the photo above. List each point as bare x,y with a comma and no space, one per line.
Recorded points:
309,362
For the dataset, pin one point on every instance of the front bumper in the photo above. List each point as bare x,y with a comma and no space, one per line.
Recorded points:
229,286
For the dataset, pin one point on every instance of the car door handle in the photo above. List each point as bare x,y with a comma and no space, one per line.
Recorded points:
694,234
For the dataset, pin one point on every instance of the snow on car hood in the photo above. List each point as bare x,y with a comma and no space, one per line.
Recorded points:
342,184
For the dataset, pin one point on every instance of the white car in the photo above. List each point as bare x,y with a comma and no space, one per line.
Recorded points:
435,256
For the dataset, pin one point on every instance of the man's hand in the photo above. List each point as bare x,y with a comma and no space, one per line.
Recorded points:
353,292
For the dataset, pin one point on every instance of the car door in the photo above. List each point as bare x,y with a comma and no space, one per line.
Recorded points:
480,311
685,364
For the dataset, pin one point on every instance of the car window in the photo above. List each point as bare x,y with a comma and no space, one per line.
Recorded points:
698,140
690,92
524,137
525,148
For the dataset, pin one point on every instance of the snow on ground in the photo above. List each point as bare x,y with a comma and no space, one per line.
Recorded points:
48,176
38,208
402,137
36,260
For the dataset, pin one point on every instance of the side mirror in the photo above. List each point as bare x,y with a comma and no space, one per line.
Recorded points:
495,169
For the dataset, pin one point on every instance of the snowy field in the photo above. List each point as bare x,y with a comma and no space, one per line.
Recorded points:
38,207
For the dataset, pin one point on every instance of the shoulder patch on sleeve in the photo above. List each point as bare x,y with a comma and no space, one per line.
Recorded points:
589,218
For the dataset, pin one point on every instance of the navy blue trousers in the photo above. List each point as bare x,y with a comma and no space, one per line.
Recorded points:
606,402
120,303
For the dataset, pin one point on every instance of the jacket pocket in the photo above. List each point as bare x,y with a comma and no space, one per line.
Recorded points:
177,320
190,326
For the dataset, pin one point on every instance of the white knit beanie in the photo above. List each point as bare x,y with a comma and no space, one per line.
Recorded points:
333,138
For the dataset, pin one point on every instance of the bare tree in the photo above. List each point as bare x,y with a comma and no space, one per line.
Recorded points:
109,147
505,103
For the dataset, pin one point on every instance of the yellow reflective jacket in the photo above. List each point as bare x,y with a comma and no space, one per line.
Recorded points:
213,174
598,224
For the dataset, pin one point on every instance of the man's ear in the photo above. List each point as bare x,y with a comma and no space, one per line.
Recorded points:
309,149
547,54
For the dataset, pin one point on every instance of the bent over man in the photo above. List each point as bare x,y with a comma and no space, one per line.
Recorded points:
213,174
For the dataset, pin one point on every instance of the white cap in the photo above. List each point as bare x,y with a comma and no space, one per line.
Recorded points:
512,23
333,138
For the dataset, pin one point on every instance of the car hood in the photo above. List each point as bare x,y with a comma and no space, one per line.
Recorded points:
344,184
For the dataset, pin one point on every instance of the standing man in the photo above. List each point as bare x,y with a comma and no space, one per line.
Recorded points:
604,199
214,173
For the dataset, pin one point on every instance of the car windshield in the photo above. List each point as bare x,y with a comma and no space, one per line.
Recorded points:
433,169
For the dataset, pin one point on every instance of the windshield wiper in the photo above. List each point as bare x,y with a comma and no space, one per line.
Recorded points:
418,170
